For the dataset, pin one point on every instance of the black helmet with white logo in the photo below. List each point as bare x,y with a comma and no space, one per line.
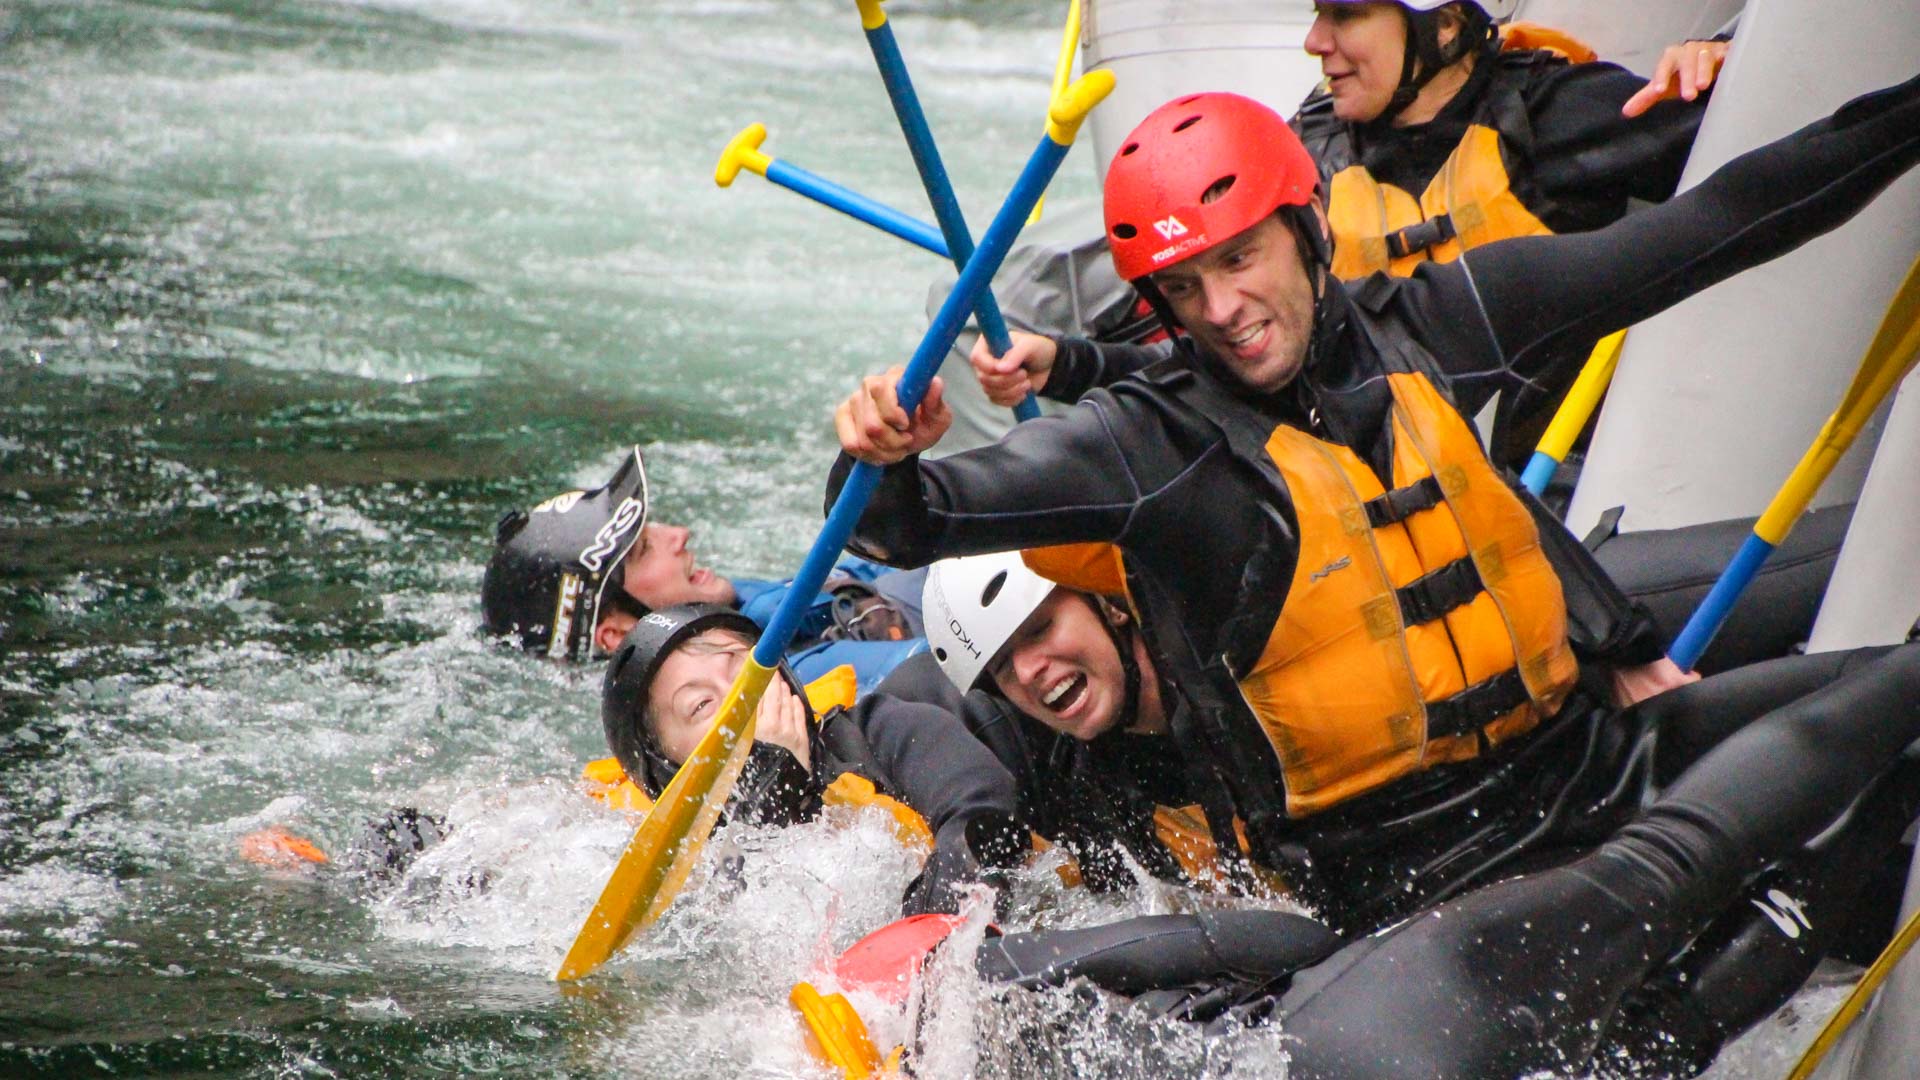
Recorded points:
554,566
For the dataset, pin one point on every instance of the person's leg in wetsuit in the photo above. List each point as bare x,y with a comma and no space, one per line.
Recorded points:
1523,975
1756,955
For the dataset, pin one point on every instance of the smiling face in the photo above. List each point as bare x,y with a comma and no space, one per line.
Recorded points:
1062,669
1362,48
659,571
688,686
1247,301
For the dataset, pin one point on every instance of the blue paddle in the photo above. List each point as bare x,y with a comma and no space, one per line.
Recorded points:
933,175
743,152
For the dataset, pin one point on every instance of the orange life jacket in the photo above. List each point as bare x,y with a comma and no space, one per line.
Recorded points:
1469,202
1420,622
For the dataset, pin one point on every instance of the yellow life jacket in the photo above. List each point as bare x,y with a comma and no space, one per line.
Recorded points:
1420,623
1469,202
837,689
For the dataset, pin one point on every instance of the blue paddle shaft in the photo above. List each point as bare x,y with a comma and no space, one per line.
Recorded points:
933,176
1712,612
975,276
1539,472
858,206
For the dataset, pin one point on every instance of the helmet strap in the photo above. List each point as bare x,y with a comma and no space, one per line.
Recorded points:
1427,58
1120,630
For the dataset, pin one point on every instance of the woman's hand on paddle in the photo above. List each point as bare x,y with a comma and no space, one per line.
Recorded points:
782,721
1009,379
1636,684
1685,70
875,429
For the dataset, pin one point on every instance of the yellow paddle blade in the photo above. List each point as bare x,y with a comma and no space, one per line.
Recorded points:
1891,355
1580,401
666,845
1857,1000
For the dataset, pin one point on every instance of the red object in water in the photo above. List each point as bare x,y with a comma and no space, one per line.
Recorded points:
279,848
884,962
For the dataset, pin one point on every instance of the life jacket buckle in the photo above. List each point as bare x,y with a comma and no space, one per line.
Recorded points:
1424,236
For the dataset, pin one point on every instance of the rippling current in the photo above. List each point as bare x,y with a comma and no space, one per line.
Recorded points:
295,300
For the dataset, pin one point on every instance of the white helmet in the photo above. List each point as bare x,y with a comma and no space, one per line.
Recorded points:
1497,10
972,605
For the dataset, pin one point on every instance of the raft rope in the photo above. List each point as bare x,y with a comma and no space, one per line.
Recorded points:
1849,1010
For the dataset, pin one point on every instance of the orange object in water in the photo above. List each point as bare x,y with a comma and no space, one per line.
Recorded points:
276,847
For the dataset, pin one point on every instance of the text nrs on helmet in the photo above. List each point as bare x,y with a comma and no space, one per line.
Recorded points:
973,605
1199,171
554,566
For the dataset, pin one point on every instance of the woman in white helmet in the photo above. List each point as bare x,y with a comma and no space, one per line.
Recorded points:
1062,689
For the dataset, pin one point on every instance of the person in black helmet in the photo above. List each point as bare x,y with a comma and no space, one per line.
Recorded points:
666,679
570,577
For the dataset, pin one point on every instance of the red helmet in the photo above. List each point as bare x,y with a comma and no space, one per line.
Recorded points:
1182,150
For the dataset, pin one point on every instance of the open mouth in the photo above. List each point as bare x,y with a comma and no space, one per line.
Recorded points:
1250,341
1066,694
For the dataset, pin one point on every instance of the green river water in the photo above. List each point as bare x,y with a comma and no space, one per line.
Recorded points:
295,300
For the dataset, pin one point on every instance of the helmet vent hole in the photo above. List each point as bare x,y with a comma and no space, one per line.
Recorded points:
993,588
1129,148
1189,99
940,654
1218,191
1187,123
1125,231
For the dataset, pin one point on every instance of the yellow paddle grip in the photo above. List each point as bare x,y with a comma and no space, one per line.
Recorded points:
1069,109
742,152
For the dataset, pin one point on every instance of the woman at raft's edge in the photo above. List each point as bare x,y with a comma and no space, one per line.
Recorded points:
1436,134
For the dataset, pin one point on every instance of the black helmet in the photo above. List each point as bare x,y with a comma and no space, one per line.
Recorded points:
552,565
623,690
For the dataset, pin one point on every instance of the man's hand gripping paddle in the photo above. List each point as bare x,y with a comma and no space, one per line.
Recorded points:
1889,358
933,173
662,852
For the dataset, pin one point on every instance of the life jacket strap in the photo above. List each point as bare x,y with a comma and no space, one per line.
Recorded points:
1403,502
1478,705
1432,595
1423,236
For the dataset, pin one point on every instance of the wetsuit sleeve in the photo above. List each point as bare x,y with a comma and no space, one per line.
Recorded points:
1545,299
1082,364
934,764
1067,479
1584,147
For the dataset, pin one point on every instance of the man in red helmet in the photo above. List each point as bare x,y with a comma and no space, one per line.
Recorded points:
1395,667
1367,622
